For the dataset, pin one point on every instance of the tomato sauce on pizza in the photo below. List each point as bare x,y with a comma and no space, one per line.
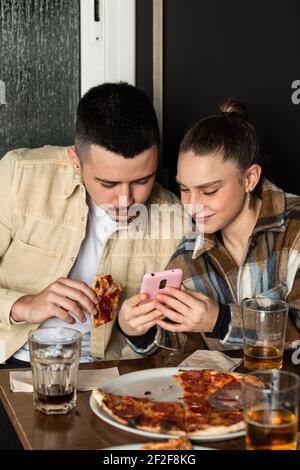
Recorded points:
108,293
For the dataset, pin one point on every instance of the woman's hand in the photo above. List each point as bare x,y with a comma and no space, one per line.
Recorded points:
136,318
190,310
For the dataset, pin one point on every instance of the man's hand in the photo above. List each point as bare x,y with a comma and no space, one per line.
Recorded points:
57,300
136,319
191,311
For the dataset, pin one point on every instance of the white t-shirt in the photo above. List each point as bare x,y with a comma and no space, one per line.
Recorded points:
99,228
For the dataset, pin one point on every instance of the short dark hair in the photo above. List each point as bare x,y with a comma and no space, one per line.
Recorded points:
229,133
117,116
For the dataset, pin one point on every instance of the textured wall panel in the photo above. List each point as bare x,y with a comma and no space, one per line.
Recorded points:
40,66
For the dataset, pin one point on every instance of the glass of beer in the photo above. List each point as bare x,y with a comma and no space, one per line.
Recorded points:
270,403
264,328
54,357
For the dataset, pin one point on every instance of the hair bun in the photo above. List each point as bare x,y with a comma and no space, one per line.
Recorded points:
232,106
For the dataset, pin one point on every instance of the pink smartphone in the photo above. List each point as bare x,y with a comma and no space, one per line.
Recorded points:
154,283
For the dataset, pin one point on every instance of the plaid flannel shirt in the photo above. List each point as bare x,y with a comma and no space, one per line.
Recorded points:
270,266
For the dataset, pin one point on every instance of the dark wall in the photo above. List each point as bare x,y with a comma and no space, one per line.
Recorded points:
248,49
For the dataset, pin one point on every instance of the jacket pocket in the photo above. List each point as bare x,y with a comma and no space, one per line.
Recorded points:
28,268
128,290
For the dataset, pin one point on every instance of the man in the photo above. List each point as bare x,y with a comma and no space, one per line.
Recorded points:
68,213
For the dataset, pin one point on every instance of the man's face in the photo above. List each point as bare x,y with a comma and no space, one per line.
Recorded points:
118,182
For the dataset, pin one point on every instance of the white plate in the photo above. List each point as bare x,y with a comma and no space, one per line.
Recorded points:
156,384
139,447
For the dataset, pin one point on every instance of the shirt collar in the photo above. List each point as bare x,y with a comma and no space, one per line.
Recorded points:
72,181
273,209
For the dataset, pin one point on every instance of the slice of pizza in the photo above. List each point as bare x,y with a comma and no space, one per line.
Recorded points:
181,443
205,382
202,418
142,413
108,294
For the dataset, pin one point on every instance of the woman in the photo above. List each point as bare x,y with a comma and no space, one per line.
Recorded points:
251,242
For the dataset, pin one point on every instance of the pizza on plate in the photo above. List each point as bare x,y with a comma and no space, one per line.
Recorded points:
143,413
108,294
193,414
181,443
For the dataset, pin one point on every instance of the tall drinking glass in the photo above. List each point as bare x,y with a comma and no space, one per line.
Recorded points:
270,404
264,328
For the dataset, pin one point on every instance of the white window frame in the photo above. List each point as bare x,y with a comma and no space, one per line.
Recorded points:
107,46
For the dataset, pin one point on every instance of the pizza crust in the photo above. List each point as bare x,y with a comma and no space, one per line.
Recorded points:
99,396
181,443
214,430
158,430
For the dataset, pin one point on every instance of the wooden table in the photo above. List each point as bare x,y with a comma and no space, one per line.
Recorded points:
81,429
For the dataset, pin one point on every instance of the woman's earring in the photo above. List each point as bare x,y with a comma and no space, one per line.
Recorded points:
249,199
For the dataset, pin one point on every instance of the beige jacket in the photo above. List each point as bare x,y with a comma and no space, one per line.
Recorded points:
43,220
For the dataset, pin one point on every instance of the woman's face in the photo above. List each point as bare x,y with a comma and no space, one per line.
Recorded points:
214,189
